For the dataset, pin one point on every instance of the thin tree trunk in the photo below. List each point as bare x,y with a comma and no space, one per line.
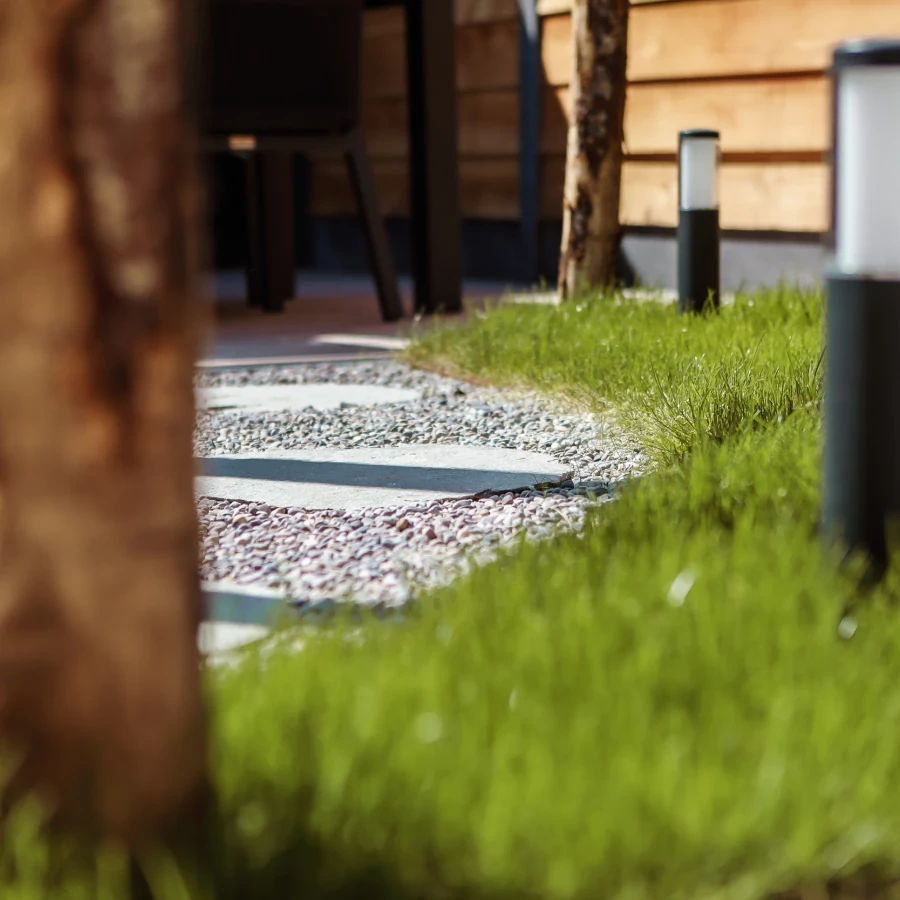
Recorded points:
100,681
591,232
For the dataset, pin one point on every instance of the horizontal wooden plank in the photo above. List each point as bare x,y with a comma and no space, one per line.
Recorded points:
552,7
555,109
468,11
714,38
556,49
487,58
488,125
384,65
552,182
723,38
762,115
392,20
755,196
556,42
386,128
489,189
380,22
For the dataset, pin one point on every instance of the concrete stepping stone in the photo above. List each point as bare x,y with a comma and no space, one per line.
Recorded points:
373,341
361,478
236,615
224,637
241,604
277,397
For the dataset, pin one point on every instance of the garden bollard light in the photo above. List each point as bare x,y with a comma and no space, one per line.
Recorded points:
861,490
698,220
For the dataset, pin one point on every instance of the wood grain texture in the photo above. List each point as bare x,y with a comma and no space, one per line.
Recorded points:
715,38
693,63
766,197
468,11
488,125
384,64
723,38
489,189
391,19
762,115
556,49
381,22
100,676
556,104
552,7
487,58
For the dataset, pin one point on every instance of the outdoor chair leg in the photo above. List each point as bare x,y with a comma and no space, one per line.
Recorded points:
270,272
376,234
256,284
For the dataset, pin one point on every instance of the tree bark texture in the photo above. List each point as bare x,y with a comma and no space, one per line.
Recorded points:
100,681
591,232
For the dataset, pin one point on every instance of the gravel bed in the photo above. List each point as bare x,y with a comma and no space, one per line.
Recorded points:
384,556
376,557
448,412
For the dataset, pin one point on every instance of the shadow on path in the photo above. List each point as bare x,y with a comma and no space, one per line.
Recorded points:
413,477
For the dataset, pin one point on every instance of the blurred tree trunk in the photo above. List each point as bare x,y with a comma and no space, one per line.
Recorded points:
591,233
100,681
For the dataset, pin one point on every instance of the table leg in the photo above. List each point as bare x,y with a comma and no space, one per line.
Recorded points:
303,233
529,134
431,66
270,206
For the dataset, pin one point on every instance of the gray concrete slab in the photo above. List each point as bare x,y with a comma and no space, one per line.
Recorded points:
223,637
276,397
361,478
227,601
299,359
371,341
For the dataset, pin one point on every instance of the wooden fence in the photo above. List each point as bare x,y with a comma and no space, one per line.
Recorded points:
754,69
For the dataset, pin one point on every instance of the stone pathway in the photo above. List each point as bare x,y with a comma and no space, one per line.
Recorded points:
363,478
368,482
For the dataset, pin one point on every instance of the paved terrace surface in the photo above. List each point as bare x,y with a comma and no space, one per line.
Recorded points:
331,318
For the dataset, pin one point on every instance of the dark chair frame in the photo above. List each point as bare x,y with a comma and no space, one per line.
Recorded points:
270,213
269,160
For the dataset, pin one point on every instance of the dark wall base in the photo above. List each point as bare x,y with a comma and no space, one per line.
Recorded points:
491,250
494,250
747,260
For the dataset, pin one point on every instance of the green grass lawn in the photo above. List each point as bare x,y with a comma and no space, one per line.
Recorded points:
686,701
